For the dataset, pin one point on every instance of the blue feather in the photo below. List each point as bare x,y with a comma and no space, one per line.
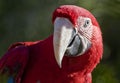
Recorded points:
11,80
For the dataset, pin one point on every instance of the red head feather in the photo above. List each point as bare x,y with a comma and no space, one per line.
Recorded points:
72,12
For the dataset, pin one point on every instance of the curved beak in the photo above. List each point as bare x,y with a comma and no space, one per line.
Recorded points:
63,29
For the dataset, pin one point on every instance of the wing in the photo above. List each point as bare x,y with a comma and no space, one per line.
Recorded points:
13,63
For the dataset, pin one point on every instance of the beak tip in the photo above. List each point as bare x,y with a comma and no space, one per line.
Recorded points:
60,65
59,62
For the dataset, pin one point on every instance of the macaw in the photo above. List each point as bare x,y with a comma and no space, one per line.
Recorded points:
69,55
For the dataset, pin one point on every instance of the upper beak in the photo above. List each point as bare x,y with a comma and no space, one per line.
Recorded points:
63,29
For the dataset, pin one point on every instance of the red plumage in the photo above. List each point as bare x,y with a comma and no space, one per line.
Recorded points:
72,13
38,64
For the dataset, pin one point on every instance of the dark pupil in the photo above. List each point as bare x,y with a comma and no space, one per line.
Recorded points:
86,23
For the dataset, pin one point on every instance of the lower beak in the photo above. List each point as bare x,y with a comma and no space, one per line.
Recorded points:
62,35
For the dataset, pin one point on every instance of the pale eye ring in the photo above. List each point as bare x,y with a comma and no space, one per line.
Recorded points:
87,22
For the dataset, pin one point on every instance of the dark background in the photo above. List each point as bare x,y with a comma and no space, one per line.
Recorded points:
30,20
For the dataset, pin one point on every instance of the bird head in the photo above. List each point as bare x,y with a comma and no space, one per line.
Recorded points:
77,36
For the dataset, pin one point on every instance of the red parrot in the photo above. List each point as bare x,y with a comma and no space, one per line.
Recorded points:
67,56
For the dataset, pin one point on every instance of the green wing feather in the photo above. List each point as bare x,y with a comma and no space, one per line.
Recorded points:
13,63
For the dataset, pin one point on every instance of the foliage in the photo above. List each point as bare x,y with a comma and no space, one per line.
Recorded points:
104,73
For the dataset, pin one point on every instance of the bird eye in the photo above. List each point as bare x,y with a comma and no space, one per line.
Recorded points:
87,22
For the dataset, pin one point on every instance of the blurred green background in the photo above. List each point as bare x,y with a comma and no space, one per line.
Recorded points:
30,20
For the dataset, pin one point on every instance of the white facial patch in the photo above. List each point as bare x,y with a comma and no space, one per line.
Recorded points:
84,26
